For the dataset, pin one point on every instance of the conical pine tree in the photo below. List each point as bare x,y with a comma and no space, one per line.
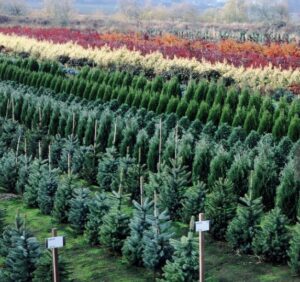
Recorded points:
134,246
47,188
115,227
79,209
244,226
62,199
272,239
294,251
220,208
98,208
175,181
31,188
157,247
184,265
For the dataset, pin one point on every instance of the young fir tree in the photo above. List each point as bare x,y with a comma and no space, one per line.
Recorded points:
44,269
288,192
115,226
98,208
23,173
134,246
22,258
220,207
8,172
193,201
265,178
294,251
280,127
48,185
251,121
244,226
104,129
192,110
107,169
79,209
203,155
20,249
203,112
282,152
191,88
156,240
184,265
10,232
294,129
175,182
239,172
31,188
265,123
219,167
272,239
62,199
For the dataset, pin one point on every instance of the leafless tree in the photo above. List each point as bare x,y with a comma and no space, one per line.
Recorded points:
14,7
59,10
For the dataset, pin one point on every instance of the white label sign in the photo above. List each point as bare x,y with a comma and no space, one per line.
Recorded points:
55,242
202,226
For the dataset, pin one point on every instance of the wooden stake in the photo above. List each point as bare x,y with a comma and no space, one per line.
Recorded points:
176,140
95,134
55,259
13,109
73,127
17,150
155,204
160,144
142,189
40,117
201,251
40,150
49,156
25,150
115,134
140,156
69,165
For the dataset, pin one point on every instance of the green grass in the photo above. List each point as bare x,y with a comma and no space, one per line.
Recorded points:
89,264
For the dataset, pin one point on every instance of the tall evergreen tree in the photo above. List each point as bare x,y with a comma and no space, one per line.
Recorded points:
175,181
134,245
294,251
107,169
203,156
272,239
294,129
156,240
62,199
265,178
115,226
8,172
238,173
193,201
288,192
47,188
218,167
244,226
220,208
98,208
280,127
31,188
184,266
79,209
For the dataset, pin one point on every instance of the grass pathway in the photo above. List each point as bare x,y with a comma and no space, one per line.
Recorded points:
95,264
